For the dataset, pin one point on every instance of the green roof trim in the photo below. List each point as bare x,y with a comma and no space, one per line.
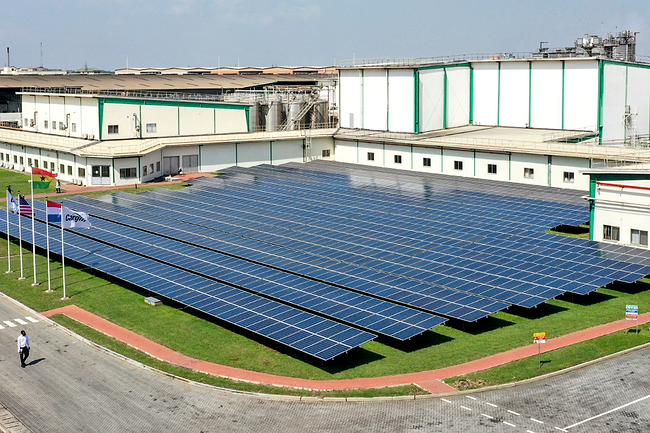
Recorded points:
172,103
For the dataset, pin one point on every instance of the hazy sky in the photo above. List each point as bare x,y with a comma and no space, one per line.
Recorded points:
167,33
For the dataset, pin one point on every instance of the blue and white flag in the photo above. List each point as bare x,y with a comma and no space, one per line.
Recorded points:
73,219
12,202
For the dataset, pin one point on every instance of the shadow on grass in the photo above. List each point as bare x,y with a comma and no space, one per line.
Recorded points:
630,288
591,298
485,324
570,230
537,312
426,339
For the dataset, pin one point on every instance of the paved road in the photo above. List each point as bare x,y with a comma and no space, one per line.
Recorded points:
70,386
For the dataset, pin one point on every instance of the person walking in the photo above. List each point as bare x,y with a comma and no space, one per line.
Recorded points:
58,186
23,347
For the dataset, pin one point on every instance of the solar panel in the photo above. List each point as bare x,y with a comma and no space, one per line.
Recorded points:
425,297
310,334
594,283
375,315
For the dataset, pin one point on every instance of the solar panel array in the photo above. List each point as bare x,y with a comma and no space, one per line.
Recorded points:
363,311
402,245
305,332
389,254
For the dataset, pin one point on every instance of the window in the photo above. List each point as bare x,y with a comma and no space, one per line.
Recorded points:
62,168
529,173
7,157
54,124
569,177
611,233
326,153
458,165
15,159
114,129
61,126
426,162
2,156
398,159
151,127
81,172
158,166
22,161
36,163
74,127
639,237
51,166
29,162
45,124
151,168
69,170
144,170
128,173
492,168
371,156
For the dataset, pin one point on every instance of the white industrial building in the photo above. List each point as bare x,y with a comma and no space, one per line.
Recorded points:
544,118
620,206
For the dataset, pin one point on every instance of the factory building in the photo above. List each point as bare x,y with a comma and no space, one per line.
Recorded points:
553,117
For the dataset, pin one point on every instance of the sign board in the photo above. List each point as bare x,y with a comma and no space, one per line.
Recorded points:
632,312
539,337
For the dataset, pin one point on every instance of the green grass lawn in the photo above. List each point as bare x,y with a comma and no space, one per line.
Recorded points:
205,338
20,182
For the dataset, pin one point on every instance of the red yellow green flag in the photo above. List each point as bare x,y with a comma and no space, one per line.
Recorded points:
45,178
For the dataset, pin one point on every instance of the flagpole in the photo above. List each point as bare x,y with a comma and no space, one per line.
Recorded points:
9,271
35,283
47,240
20,236
62,253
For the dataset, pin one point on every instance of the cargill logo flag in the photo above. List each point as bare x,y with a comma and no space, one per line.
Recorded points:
45,177
71,219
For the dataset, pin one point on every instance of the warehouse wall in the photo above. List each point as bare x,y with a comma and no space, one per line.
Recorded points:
556,171
624,209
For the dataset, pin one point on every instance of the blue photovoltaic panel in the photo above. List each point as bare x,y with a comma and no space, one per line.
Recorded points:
373,314
314,335
423,296
526,293
588,283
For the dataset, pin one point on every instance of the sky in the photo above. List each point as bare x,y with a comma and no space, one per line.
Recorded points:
113,34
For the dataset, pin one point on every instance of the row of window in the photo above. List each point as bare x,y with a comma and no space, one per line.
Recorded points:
529,173
46,124
637,237
132,172
115,129
63,169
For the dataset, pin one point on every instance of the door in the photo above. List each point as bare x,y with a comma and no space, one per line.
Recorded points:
101,175
170,165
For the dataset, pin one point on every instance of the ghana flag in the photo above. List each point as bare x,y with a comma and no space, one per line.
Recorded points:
45,178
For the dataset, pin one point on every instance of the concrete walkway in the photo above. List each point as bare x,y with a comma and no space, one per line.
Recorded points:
429,380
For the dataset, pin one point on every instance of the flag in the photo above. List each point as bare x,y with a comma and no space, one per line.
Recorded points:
24,208
46,178
53,212
12,202
74,219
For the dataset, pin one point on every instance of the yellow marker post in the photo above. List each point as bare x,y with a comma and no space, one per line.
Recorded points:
539,338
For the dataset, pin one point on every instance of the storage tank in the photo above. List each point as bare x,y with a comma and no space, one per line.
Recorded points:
293,112
319,115
274,116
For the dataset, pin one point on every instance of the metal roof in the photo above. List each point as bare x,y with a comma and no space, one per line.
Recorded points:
156,82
